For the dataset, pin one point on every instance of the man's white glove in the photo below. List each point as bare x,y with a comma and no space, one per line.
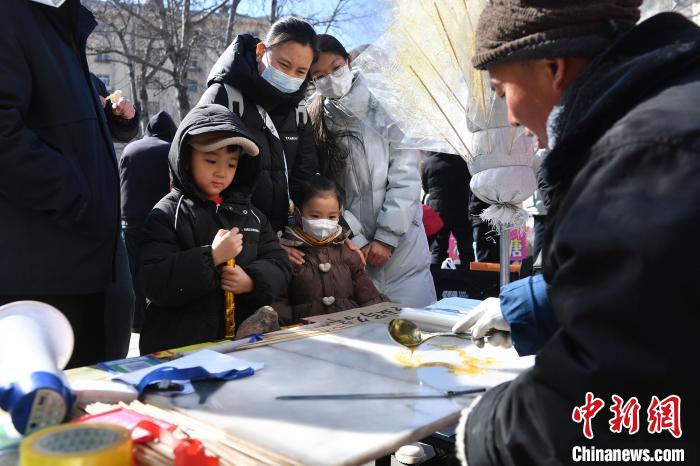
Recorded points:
486,323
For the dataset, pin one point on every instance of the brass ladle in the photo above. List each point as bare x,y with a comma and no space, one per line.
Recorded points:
406,333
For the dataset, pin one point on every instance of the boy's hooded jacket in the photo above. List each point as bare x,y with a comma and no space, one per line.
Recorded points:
181,282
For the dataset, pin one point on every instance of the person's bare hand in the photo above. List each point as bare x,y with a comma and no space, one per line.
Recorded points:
376,253
124,109
295,255
236,280
353,247
227,244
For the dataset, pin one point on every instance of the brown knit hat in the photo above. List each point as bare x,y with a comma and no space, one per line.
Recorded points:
530,29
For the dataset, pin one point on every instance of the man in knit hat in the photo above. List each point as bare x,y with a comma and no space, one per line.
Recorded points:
619,107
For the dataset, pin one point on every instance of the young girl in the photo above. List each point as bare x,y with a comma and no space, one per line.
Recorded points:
332,277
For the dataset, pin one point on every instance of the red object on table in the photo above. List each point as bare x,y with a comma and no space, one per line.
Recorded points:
190,452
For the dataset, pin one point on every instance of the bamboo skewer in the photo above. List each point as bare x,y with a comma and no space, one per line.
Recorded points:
430,62
230,308
441,110
229,448
449,39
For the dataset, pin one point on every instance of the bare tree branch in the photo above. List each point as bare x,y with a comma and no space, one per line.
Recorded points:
231,19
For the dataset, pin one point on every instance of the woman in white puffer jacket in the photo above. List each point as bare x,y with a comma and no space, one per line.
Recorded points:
381,183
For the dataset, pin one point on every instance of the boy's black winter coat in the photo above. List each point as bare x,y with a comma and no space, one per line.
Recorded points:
181,282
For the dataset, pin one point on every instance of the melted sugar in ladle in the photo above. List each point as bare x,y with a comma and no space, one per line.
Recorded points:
406,333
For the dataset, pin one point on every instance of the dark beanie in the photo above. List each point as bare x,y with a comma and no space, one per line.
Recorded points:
531,29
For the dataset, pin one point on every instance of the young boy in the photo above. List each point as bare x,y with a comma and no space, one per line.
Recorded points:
203,222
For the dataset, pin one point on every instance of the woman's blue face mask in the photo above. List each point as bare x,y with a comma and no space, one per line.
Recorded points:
282,81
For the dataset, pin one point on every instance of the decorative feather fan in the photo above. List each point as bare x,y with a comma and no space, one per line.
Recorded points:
420,71
417,74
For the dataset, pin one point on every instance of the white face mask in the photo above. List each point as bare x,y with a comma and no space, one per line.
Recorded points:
54,3
319,228
279,79
336,84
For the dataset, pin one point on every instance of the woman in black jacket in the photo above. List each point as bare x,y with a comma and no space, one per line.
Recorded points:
178,271
265,83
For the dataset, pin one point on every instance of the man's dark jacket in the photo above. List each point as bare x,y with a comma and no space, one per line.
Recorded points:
183,285
59,186
143,169
621,256
238,68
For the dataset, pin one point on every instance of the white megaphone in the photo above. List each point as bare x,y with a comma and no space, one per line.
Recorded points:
36,342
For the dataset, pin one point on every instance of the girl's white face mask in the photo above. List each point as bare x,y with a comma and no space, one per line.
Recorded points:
319,228
336,84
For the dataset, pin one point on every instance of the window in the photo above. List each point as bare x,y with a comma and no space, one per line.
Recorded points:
102,57
194,64
105,79
192,86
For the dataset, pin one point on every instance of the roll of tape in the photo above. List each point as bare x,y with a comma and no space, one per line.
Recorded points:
77,445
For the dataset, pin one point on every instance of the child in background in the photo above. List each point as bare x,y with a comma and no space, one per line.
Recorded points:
332,278
203,222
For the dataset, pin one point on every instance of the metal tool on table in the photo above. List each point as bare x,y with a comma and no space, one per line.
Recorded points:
406,333
385,396
230,308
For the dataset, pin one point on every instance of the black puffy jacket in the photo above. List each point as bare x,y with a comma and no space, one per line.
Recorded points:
620,258
59,186
143,169
238,68
180,280
445,178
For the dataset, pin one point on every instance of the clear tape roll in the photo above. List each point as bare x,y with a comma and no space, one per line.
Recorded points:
77,445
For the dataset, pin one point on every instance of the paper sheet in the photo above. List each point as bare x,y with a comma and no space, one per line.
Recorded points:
210,360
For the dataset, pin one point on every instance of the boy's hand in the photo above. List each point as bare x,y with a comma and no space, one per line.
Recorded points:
235,279
227,244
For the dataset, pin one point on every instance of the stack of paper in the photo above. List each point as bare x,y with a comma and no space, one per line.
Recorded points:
442,315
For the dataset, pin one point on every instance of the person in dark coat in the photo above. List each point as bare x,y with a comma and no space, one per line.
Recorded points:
332,277
145,179
265,83
486,238
59,185
120,299
619,107
445,179
123,118
207,219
